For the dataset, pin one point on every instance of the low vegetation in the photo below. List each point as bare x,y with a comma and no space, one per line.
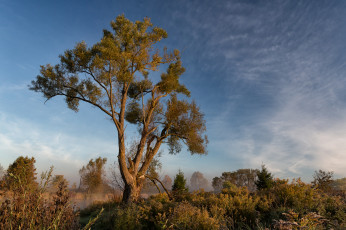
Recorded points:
285,205
26,206
235,204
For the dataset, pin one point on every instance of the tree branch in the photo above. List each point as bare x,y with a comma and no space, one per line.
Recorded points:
82,98
110,97
153,178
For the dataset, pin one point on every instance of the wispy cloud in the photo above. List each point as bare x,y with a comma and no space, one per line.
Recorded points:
285,67
66,152
269,75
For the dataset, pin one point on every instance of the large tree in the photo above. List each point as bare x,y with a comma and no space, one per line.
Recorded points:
113,75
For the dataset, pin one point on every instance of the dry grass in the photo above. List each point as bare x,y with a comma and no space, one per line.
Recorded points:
27,208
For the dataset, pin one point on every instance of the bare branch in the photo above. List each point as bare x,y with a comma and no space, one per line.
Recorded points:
163,186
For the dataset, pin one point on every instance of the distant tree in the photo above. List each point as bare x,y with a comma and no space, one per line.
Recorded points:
56,182
93,175
246,178
114,75
240,178
74,186
323,180
264,179
21,174
339,184
167,182
198,181
2,175
179,184
154,169
2,172
217,183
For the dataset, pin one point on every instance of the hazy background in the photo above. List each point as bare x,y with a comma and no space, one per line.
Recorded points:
270,77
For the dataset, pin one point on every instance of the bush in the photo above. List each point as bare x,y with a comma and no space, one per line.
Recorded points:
187,216
26,208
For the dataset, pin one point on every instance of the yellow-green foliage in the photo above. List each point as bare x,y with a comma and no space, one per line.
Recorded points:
293,205
296,194
187,216
128,217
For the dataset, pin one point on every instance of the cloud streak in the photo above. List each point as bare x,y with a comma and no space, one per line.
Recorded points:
285,67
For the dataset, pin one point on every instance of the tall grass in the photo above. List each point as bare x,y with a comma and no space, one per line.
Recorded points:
26,207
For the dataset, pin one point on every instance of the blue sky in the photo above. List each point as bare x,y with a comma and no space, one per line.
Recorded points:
270,77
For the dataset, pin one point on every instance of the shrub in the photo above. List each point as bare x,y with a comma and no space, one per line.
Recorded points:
297,196
179,184
186,216
25,208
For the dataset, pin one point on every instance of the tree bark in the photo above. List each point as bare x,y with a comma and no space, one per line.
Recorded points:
132,192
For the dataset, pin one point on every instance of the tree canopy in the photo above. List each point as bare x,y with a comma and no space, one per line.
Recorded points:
21,173
113,75
167,181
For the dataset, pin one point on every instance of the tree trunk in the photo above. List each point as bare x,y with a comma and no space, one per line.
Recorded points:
131,193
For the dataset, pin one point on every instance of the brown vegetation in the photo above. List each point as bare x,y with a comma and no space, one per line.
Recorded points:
26,207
